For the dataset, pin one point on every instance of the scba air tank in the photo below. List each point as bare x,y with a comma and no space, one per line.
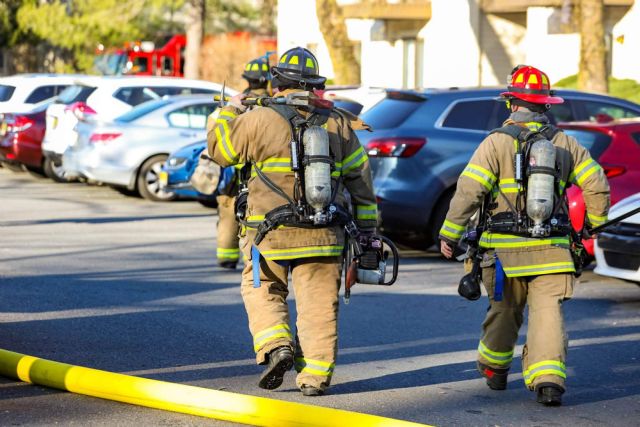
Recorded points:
541,185
317,169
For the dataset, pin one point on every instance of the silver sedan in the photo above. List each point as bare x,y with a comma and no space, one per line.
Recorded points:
129,152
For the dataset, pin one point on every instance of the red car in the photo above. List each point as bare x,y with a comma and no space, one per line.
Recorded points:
21,136
615,144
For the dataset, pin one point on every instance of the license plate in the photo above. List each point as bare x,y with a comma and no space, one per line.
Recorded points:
3,128
164,179
54,122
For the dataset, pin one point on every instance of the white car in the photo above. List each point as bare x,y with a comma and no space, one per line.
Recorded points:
617,249
19,93
130,151
367,96
105,98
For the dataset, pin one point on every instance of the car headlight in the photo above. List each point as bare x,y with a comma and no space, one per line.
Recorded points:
176,162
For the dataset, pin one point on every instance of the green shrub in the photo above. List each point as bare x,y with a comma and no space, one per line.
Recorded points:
620,88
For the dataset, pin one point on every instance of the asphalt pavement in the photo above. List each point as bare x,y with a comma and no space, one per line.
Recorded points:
92,277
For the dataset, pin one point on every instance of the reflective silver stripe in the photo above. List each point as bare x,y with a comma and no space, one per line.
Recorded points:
549,369
315,367
356,159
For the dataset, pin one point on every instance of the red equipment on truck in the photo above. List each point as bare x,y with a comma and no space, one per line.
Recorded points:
143,59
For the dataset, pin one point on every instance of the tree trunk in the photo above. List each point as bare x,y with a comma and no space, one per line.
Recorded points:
592,75
341,50
194,30
268,19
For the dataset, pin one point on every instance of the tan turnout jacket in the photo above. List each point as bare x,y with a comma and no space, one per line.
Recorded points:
491,169
261,137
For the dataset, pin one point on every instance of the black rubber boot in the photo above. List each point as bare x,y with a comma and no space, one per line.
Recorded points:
279,361
309,390
549,394
496,378
231,265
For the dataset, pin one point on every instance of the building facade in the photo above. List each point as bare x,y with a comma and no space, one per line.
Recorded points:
444,43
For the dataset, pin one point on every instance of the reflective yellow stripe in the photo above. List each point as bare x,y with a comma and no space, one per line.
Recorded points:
535,269
314,367
355,159
225,113
304,252
533,125
223,253
278,331
499,358
222,136
367,212
509,185
596,220
583,171
546,367
502,241
274,164
451,230
480,174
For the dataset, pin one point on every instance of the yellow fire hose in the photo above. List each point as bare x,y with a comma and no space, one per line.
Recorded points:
192,400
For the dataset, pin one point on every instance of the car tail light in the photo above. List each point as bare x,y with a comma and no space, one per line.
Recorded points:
104,137
394,147
613,170
81,110
19,124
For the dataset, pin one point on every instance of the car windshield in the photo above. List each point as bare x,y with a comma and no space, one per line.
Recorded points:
75,93
110,64
391,112
142,110
5,92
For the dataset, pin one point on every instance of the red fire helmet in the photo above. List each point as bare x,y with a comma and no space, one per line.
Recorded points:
532,85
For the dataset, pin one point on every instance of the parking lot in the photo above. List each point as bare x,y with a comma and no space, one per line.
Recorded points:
92,277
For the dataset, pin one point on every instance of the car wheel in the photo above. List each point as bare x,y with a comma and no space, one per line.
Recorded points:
437,218
52,171
209,203
148,182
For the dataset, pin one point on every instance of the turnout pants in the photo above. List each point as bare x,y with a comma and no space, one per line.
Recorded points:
316,282
544,354
228,229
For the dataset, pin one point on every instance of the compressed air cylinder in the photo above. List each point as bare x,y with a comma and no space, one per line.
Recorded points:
317,171
540,188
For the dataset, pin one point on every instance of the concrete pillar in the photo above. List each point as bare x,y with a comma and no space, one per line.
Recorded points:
555,53
451,48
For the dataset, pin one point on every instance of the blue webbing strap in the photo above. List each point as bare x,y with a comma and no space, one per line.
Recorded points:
255,265
497,293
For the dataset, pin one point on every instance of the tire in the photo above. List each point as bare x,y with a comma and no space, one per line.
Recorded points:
208,203
147,182
437,218
35,172
52,171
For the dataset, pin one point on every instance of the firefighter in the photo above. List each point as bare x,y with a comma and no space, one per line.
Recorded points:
258,77
519,268
311,253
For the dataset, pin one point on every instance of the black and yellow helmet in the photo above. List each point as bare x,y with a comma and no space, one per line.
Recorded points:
299,65
257,70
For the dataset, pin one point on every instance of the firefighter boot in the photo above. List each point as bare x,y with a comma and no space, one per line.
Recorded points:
496,378
230,265
309,390
549,394
279,361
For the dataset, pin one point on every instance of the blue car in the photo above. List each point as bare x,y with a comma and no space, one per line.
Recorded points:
177,171
422,141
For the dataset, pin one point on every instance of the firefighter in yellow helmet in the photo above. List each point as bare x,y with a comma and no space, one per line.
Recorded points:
258,77
519,175
282,237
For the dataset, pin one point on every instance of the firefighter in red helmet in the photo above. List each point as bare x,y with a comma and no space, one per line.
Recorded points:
518,176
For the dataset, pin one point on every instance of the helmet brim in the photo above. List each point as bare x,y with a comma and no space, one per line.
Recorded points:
533,98
311,79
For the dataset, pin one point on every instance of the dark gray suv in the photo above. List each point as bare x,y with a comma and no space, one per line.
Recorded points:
423,140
